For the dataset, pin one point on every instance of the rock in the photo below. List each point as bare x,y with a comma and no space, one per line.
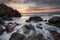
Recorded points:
1,30
39,36
39,26
2,22
14,23
7,12
45,20
35,19
55,35
10,27
17,36
55,21
28,27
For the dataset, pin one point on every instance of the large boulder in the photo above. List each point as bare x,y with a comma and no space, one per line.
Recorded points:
7,12
55,21
10,27
35,19
17,36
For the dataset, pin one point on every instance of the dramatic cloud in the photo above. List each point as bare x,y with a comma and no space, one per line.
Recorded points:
33,4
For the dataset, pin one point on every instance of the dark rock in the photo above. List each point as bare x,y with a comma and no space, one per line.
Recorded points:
17,36
45,20
35,19
1,30
55,35
39,26
10,27
14,23
7,12
38,36
2,22
28,27
55,21
27,20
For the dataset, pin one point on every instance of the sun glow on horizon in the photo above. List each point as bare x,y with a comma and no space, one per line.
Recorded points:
23,10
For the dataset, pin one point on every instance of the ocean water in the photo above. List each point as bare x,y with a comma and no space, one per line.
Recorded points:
22,20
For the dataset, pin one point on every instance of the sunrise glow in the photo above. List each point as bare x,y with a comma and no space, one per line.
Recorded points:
23,10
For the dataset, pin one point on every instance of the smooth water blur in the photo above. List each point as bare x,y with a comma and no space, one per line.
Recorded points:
22,20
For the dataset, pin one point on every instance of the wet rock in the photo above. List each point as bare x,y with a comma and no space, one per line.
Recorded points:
35,19
55,35
2,22
1,30
55,21
10,27
39,26
28,27
14,23
17,36
39,36
45,20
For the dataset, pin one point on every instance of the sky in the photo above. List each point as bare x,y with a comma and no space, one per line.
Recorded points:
31,6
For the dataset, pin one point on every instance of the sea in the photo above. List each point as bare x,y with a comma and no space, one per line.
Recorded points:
22,21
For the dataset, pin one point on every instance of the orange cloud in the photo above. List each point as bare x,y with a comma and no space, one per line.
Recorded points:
44,11
23,10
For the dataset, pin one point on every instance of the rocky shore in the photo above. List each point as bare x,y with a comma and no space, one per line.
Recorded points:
35,28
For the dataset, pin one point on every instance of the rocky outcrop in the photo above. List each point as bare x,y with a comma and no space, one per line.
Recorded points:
17,36
35,19
55,21
7,12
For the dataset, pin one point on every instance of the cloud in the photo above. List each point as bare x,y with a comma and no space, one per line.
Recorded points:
35,4
44,4
4,1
